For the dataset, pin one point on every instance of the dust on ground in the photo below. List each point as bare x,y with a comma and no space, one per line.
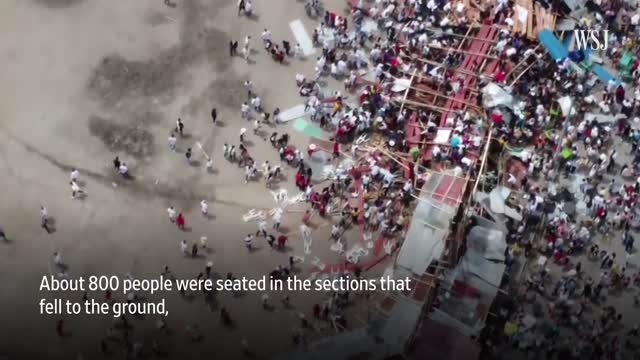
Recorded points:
131,138
117,80
58,4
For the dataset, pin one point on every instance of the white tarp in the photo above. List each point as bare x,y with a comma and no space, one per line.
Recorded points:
292,113
565,103
494,95
442,136
302,37
401,85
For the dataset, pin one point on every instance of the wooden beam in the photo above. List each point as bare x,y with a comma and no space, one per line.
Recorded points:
462,51
435,63
406,93
466,36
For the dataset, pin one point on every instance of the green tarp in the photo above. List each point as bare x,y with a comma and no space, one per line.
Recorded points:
307,128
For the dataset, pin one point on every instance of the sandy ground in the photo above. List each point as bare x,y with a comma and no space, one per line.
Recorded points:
85,80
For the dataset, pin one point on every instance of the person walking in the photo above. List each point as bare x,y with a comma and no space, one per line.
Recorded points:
116,163
172,142
233,48
246,52
180,127
44,219
194,251
75,189
287,47
123,170
262,228
256,103
204,207
184,248
282,241
248,242
232,153
188,155
172,213
271,240
240,6
74,175
248,86
214,115
180,221
242,132
225,149
277,218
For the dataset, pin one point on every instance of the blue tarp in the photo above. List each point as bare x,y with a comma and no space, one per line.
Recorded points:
555,48
558,50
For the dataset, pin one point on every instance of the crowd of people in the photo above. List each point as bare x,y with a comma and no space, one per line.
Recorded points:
587,157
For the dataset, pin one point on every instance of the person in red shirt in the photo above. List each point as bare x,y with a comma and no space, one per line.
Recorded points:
336,150
180,222
282,241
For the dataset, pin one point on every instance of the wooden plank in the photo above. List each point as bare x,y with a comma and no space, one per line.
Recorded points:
530,19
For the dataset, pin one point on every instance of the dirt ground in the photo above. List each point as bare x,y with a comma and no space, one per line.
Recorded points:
85,80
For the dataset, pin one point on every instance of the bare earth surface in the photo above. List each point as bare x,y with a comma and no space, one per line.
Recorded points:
85,80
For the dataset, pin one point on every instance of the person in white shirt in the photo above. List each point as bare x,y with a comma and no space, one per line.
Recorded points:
244,110
75,174
248,242
76,189
277,218
184,248
266,38
262,228
172,213
204,207
256,103
123,170
172,142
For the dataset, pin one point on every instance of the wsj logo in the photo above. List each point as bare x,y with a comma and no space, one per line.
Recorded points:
591,39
